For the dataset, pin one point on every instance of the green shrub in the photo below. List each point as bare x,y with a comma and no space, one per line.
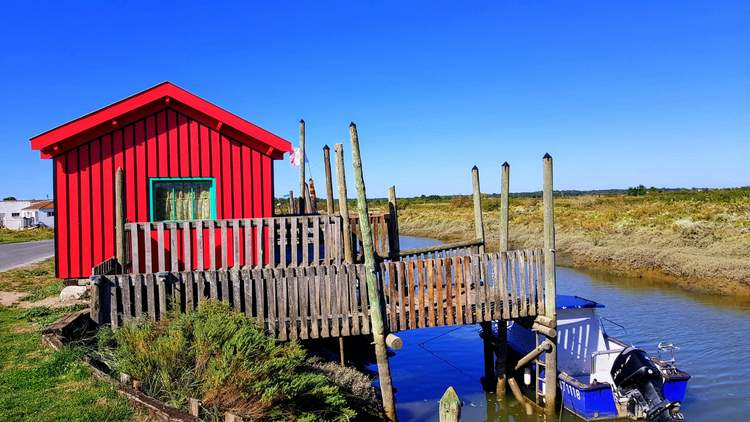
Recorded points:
224,358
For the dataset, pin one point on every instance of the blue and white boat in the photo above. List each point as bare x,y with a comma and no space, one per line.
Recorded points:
602,377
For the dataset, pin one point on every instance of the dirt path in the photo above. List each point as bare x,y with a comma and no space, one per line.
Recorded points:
16,299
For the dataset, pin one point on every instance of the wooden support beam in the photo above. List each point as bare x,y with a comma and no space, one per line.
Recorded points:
519,396
548,332
450,406
545,346
546,321
329,181
501,354
376,308
477,196
550,285
394,244
308,200
343,203
120,218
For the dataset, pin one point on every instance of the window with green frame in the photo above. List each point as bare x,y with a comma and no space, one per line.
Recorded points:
181,199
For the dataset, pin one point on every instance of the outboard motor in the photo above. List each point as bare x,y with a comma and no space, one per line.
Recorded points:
638,379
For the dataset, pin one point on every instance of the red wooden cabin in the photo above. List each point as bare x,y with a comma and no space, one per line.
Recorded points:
183,157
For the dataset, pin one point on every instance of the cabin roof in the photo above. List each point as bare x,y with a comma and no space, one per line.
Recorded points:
575,302
64,137
39,205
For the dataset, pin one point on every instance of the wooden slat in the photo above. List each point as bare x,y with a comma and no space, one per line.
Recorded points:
235,244
147,256
199,244
439,292
281,291
259,283
364,299
392,281
411,291
223,246
294,241
211,245
529,254
160,246
271,243
449,299
189,292
236,289
124,282
270,300
343,296
430,278
213,285
161,283
303,239
520,259
314,283
351,287
513,285
421,283
137,295
224,290
402,305
173,246
458,274
304,302
316,241
151,296
248,290
259,242
199,280
247,237
540,281
114,294
334,301
283,253
134,252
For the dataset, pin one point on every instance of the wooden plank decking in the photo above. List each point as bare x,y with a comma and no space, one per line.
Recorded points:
331,301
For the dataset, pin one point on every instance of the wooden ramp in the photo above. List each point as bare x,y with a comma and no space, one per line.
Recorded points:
331,300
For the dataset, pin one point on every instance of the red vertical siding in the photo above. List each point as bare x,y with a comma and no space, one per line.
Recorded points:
165,144
61,214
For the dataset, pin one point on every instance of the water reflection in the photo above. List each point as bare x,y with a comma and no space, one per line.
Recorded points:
707,328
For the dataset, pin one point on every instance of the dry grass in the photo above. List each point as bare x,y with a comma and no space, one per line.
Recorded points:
697,239
15,236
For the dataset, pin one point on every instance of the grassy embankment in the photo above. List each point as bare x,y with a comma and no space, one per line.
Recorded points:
37,383
699,240
15,236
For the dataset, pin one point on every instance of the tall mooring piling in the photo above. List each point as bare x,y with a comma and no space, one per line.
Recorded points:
308,275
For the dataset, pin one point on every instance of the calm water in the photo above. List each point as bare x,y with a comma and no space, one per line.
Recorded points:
708,329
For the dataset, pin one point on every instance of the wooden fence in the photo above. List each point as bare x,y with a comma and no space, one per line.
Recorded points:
382,234
331,301
213,244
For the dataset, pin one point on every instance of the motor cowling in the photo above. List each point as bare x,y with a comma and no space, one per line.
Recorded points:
637,377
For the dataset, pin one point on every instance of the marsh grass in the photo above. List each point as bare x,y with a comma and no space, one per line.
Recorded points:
225,359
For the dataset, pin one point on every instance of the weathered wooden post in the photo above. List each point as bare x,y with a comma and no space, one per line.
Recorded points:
501,342
489,361
302,184
313,196
343,203
291,202
376,308
450,406
120,218
550,289
307,200
394,245
329,181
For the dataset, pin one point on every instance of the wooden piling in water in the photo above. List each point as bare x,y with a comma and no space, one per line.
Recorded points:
450,406
376,308
550,305
501,343
120,218
329,181
489,361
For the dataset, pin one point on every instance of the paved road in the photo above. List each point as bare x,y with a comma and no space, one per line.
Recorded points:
14,255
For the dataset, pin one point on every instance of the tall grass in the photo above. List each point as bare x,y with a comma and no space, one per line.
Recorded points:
225,358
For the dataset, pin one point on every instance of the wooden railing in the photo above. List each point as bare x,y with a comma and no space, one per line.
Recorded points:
254,242
382,234
332,301
443,250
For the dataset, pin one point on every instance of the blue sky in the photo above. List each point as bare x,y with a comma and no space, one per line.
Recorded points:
620,93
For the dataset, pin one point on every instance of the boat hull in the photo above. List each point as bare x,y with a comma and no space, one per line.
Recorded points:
589,402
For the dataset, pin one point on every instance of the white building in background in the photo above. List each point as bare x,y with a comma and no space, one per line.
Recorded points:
18,215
